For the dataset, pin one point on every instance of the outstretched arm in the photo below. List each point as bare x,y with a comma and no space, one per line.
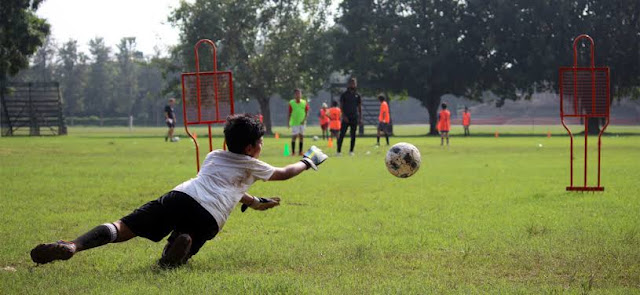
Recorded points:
288,171
311,159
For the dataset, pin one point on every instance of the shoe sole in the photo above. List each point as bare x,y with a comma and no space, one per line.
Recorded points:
45,253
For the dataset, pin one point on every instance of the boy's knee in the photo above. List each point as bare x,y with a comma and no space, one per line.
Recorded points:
124,233
177,251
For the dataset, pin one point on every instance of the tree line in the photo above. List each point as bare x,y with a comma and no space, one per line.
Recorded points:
420,48
104,83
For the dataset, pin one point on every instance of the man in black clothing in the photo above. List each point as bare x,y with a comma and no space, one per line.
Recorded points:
170,118
351,106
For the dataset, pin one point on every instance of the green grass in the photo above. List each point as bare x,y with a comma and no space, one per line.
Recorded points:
487,215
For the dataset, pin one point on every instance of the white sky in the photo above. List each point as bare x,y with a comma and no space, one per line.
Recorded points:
112,20
83,20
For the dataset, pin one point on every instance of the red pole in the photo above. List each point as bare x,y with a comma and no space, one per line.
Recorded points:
210,143
186,125
586,132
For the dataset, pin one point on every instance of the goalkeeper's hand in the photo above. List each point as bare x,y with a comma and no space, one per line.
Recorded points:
169,120
314,157
261,204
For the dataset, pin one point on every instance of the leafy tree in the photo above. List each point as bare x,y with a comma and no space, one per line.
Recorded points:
126,80
268,45
529,40
98,95
71,73
44,61
21,33
512,48
411,46
150,85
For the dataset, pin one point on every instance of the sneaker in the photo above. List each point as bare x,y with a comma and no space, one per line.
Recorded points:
176,253
60,250
338,154
351,154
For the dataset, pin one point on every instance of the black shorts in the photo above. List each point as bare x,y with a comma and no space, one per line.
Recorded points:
384,127
172,124
175,211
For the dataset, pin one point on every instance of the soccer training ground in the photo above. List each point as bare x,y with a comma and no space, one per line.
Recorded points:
486,215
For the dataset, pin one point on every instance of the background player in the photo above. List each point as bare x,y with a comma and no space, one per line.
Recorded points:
335,116
466,121
298,110
170,118
324,121
444,124
351,107
383,120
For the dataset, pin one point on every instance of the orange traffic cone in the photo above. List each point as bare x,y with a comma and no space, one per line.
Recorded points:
548,134
277,135
195,135
497,134
330,142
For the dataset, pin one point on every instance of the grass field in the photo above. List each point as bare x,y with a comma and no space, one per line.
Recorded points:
486,215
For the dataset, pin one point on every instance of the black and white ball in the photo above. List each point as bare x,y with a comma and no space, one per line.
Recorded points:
403,160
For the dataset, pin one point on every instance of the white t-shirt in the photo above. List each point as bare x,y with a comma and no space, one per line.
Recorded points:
222,181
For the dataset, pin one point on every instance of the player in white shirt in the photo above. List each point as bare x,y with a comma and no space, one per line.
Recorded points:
195,210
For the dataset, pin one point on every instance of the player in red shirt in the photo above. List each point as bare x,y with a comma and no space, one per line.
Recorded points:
324,121
466,121
383,120
444,124
335,117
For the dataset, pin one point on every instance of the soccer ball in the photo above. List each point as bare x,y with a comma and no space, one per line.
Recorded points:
403,160
175,139
315,138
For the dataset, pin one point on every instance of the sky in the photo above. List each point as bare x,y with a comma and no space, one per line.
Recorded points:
112,20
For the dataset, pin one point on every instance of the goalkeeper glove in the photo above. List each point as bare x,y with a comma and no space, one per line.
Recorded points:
314,157
261,204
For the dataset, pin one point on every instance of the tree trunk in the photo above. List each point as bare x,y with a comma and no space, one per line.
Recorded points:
266,113
432,107
594,126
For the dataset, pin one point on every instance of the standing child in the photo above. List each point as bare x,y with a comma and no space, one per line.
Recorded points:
170,119
444,124
324,121
298,109
194,211
466,121
383,120
335,116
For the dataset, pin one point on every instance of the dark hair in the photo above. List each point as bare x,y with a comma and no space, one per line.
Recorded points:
444,106
381,97
242,130
334,103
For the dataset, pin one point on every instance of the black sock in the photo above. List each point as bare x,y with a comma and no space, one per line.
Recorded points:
98,236
378,140
386,136
293,147
301,145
